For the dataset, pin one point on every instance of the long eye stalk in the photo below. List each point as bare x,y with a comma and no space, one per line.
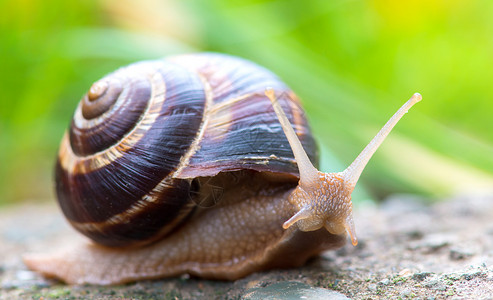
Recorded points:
353,172
324,199
308,173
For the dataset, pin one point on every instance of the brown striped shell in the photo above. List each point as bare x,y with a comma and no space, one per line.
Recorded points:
142,134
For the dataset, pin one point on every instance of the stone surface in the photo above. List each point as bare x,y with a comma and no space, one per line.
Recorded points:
291,290
407,250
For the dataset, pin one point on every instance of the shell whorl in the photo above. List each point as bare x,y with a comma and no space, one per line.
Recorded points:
114,173
142,133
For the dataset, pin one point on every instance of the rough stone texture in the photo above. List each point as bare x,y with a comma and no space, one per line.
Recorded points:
407,250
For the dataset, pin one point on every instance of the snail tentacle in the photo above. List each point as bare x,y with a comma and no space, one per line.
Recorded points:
324,199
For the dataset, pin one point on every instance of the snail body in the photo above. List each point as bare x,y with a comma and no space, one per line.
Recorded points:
181,166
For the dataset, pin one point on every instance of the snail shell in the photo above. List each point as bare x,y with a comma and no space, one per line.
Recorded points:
142,135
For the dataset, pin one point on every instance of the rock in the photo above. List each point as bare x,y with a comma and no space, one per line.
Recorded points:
24,279
405,293
471,275
432,282
433,242
411,251
453,276
457,253
440,286
385,281
291,290
405,273
421,276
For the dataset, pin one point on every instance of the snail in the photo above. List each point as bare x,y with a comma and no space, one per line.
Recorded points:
190,164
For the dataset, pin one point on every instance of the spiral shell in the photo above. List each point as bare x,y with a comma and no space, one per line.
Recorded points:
142,133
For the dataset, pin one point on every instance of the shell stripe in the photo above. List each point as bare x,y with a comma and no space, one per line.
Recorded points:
153,196
167,199
75,164
205,120
130,219
249,133
241,111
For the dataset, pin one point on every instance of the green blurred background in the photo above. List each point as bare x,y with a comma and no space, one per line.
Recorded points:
353,63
